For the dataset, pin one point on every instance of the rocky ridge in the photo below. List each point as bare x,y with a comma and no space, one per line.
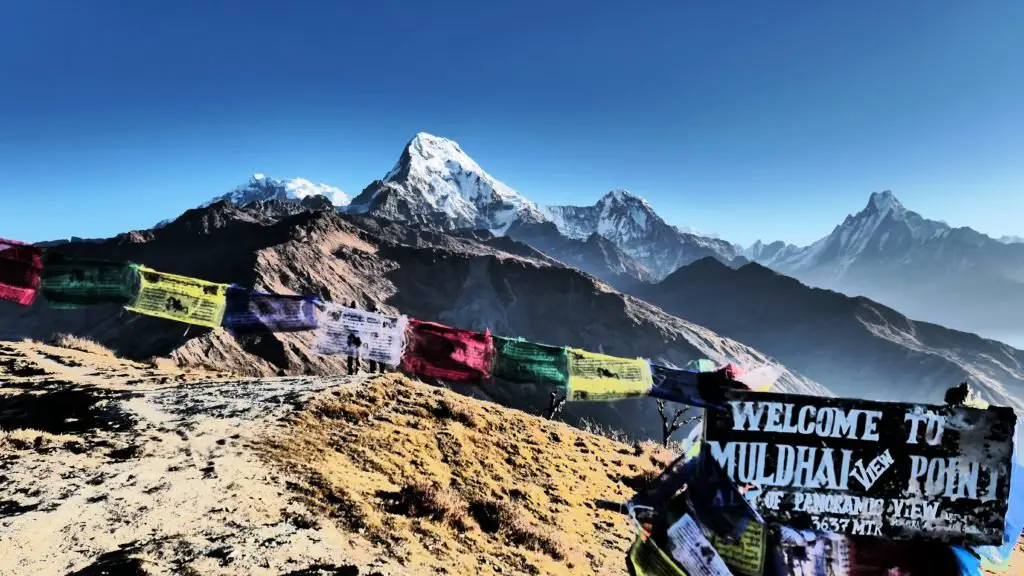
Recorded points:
467,279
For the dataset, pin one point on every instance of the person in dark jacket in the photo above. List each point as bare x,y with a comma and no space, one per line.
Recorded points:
354,343
375,365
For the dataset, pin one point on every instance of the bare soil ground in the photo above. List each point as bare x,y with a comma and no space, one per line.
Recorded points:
121,468
113,467
116,468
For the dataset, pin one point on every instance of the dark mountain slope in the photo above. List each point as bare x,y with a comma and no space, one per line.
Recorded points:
859,347
595,254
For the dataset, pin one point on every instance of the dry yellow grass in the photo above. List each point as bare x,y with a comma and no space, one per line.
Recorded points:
28,439
448,484
81,344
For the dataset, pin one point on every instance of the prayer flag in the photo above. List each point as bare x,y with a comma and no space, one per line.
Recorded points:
745,555
518,360
691,549
815,553
702,389
20,267
700,365
438,351
599,377
180,298
760,379
249,312
868,555
73,282
646,559
369,335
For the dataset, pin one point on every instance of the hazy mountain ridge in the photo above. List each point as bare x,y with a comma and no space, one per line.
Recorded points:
594,254
857,347
925,268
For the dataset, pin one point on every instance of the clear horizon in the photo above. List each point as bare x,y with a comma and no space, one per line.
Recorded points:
754,122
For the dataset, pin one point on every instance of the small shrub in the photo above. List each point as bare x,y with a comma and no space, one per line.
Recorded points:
592,427
522,532
72,342
660,456
347,506
641,481
506,518
422,498
344,409
448,408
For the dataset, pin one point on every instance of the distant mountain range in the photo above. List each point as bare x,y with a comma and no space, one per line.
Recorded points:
440,239
925,268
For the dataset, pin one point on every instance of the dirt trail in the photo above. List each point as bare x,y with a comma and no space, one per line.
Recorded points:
143,474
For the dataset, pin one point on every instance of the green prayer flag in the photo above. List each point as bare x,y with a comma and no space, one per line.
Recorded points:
73,282
518,360
702,365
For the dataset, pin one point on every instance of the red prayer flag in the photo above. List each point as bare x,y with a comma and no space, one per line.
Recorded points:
439,351
21,266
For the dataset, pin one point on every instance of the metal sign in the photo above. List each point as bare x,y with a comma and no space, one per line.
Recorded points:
869,468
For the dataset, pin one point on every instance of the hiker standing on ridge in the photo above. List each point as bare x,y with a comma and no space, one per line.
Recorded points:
353,343
375,365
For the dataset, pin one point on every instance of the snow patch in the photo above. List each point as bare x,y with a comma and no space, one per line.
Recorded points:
261,188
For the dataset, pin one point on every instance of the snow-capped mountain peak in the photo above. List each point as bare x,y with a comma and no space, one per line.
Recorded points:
624,215
620,195
262,188
618,215
632,224
885,202
883,229
435,178
771,253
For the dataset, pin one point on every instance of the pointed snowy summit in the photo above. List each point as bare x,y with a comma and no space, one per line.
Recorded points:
436,182
885,202
883,230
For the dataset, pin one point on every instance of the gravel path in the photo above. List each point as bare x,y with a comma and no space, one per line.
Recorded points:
157,478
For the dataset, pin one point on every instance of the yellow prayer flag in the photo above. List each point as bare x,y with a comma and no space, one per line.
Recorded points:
599,377
180,298
745,556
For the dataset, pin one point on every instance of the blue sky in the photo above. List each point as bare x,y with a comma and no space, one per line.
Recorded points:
755,120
